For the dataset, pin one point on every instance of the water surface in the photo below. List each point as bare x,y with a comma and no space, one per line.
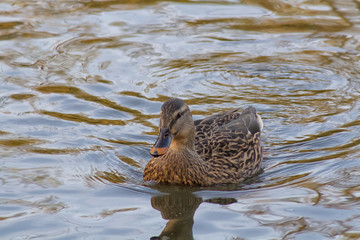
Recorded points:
81,86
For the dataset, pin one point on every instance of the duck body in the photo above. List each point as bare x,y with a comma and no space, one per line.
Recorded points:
220,149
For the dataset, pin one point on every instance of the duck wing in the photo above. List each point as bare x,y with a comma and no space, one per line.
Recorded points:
225,138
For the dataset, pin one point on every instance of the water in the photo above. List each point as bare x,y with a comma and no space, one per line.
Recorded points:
81,85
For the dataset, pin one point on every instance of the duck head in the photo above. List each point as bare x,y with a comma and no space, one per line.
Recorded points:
176,128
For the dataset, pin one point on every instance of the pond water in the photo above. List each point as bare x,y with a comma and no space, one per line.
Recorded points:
81,85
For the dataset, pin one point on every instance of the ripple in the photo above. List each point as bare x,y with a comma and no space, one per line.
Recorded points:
82,86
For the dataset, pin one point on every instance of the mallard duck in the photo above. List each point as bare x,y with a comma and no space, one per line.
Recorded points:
220,149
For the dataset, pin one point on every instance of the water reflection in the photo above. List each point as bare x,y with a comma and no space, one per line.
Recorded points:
178,206
82,83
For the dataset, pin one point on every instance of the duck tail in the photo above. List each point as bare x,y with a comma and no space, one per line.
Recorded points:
260,121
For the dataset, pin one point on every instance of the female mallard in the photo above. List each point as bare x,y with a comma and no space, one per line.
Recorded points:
224,148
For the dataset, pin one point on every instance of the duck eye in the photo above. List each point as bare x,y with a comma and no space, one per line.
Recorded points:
178,115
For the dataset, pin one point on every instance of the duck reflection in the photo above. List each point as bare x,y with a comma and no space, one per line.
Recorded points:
178,206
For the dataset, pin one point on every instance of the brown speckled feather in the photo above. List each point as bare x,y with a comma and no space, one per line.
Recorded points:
230,142
223,148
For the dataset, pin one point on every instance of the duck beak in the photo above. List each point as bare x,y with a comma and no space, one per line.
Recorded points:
162,143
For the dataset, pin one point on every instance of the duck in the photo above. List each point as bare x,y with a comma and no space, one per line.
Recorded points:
220,149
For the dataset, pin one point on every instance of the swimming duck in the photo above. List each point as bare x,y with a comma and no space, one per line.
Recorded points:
220,149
